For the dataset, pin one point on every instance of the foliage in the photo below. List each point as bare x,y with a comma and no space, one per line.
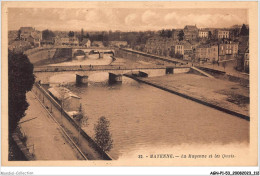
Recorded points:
102,135
166,33
47,34
71,34
210,35
79,53
178,56
19,34
244,31
20,81
81,35
181,35
235,32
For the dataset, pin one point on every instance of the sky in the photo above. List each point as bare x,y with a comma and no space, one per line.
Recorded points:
124,19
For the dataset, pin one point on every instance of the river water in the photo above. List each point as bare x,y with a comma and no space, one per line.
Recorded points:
141,116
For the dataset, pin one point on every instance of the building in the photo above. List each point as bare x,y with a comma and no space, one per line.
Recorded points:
228,51
179,48
213,53
85,42
160,45
202,52
69,41
187,51
203,33
190,32
118,43
25,32
223,34
207,53
68,100
31,35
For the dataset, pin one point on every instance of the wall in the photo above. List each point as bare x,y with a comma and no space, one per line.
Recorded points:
181,70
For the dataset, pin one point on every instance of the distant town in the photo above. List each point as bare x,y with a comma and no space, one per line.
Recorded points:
191,44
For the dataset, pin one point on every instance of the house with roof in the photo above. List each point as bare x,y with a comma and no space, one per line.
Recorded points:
66,41
188,51
222,34
31,35
179,48
207,52
190,32
228,50
85,42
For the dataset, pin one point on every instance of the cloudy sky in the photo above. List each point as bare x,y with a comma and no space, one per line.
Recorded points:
124,19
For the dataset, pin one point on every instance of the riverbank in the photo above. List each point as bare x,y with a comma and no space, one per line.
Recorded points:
226,94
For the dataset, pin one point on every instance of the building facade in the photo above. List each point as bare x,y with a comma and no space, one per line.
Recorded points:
228,51
203,34
223,34
190,32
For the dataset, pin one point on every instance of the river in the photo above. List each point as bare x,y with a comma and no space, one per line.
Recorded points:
141,116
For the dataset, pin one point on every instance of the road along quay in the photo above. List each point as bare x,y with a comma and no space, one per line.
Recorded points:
84,144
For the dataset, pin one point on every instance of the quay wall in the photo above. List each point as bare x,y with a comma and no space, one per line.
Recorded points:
221,74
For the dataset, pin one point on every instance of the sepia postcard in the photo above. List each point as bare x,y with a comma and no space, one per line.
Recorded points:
129,83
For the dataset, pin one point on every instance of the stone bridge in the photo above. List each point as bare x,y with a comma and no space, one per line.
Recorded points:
101,52
45,75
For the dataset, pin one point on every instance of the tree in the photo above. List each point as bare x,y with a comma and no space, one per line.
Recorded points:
81,35
224,65
47,34
20,81
181,35
210,35
244,31
71,34
102,135
169,33
162,33
19,34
